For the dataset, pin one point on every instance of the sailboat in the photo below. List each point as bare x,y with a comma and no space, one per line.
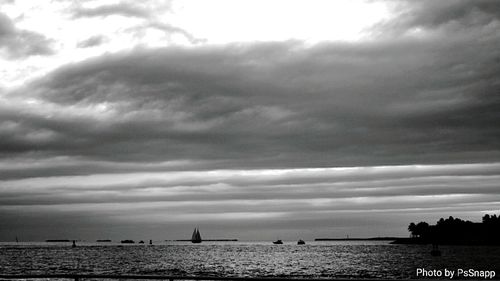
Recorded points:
196,237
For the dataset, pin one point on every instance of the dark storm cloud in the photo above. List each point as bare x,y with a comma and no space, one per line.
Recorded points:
269,105
91,42
17,43
122,9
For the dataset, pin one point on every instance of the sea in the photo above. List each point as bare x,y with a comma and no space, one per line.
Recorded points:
316,259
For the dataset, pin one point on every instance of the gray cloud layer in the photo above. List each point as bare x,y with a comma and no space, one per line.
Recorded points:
269,104
17,43
432,14
145,11
325,199
91,41
122,9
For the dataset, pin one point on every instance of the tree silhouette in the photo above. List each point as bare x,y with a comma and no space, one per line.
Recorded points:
457,231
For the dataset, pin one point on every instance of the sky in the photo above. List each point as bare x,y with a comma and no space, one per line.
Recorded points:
254,120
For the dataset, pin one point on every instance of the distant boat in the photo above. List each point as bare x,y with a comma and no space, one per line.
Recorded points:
301,242
196,237
278,241
127,241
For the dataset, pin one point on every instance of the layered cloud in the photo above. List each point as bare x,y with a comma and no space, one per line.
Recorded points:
326,138
332,200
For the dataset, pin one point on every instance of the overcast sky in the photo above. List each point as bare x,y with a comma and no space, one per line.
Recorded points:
250,119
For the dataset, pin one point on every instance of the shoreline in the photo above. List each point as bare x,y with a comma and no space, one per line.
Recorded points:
359,239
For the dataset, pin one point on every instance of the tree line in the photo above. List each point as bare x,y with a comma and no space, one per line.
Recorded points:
457,231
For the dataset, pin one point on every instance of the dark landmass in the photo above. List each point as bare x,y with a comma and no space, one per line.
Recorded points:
359,239
454,231
205,240
58,240
128,241
103,240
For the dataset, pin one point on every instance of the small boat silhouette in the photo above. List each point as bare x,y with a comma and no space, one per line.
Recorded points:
301,242
278,241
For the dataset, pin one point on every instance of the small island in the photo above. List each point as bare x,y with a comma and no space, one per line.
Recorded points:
127,241
455,231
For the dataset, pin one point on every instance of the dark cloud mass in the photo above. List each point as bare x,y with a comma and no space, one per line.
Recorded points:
18,43
270,104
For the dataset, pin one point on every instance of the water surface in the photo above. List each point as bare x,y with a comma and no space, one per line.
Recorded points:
325,259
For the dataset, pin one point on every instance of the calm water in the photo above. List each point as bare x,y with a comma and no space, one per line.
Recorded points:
262,259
